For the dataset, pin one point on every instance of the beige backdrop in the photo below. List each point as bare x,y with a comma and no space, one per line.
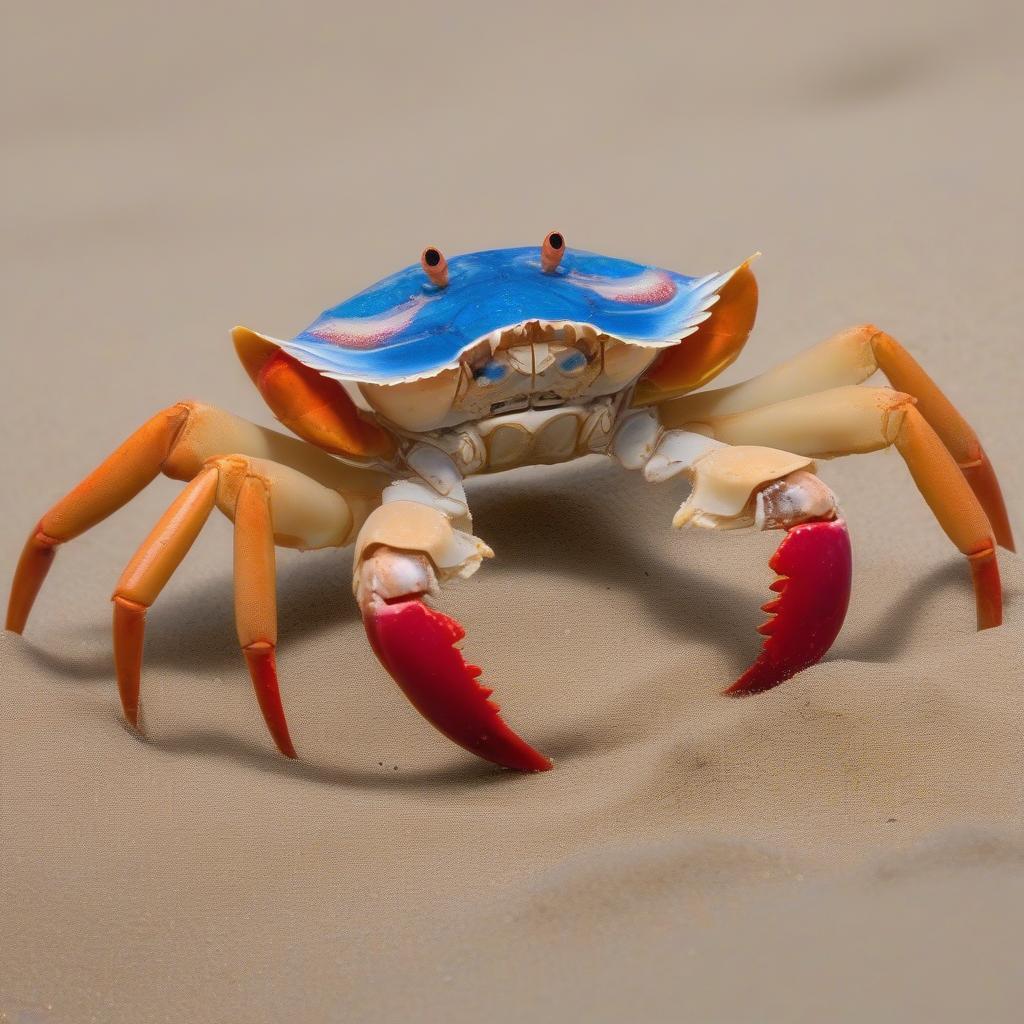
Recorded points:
847,847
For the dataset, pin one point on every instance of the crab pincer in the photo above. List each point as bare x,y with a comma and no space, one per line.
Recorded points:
815,566
416,644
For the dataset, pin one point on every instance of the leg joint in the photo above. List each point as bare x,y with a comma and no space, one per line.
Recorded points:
895,407
43,539
179,416
259,645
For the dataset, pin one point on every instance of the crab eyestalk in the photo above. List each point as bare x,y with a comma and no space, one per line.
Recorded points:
435,266
552,251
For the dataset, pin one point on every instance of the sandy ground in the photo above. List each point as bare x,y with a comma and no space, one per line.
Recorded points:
847,847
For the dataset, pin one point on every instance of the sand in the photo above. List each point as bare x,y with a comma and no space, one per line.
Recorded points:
846,847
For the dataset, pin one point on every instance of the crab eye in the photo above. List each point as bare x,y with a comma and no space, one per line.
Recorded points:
572,363
552,251
435,266
491,373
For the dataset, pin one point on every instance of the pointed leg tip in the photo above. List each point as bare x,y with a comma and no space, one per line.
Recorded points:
129,637
286,749
284,745
988,588
990,612
132,713
17,612
261,658
134,721
36,559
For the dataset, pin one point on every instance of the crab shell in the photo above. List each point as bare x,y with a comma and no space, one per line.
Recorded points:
400,344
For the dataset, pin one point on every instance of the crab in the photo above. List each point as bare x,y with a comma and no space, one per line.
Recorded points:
506,358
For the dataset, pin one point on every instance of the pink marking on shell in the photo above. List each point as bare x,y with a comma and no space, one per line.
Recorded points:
652,287
369,331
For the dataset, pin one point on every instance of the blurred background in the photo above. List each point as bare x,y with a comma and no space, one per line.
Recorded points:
174,169
171,170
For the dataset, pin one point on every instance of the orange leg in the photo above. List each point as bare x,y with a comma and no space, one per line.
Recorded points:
318,502
957,508
847,420
114,483
906,374
306,515
256,603
177,442
147,573
850,357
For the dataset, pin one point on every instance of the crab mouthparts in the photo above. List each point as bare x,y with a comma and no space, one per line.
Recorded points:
541,400
532,332
535,364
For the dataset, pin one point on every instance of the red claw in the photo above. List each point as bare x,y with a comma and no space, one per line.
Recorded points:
415,643
816,564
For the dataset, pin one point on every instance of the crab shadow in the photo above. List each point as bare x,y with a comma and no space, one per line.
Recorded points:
568,531
892,631
684,598
197,627
561,526
314,590
559,523
470,773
